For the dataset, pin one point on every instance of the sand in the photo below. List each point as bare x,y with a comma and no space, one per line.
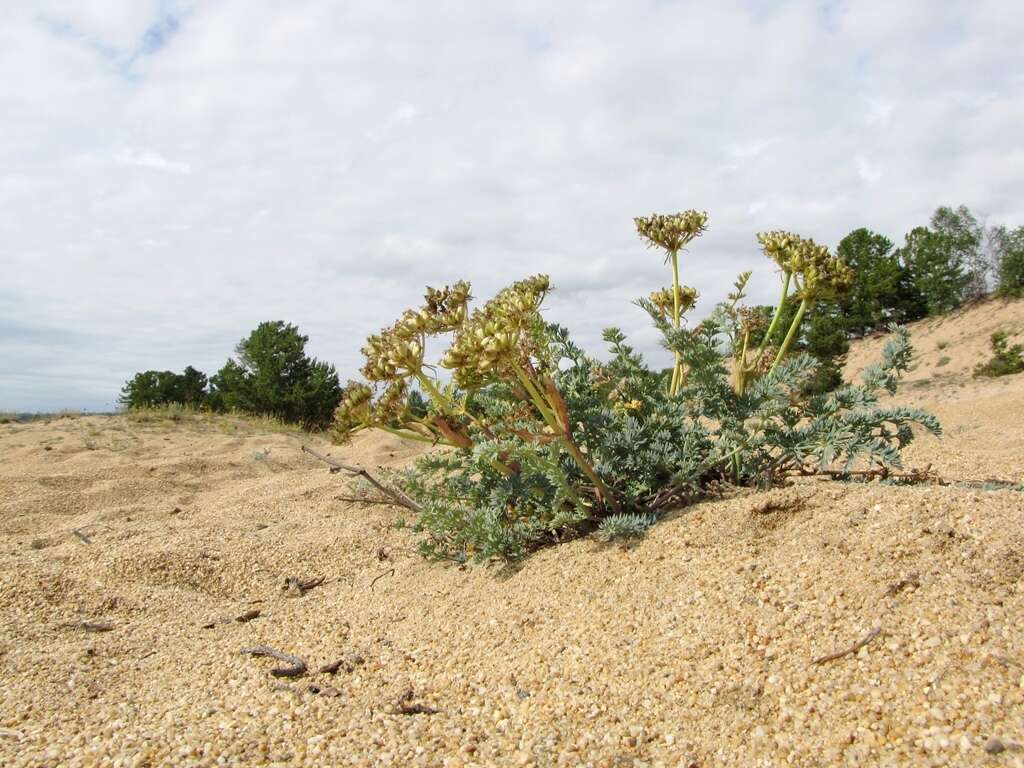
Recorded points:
692,647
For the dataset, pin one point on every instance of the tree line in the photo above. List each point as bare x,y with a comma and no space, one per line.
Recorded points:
271,375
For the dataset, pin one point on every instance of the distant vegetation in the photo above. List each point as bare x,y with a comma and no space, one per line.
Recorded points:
1005,360
272,376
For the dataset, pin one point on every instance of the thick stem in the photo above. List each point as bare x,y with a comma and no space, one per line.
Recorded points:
787,343
741,370
581,460
677,371
537,398
548,413
775,320
407,435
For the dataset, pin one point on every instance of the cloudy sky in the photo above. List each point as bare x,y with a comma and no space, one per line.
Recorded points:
173,173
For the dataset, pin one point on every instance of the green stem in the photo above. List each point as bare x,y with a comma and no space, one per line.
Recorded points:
790,336
588,470
407,435
552,421
741,365
775,320
677,371
537,399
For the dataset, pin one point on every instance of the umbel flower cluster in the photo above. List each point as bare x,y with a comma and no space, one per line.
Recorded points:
672,233
541,441
491,344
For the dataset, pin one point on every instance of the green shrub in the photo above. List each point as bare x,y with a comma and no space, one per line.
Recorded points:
545,442
1005,360
942,361
274,377
150,389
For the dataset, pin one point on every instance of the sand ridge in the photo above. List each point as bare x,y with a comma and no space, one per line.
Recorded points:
694,646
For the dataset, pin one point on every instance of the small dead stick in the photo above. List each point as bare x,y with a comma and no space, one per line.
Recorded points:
82,536
852,649
297,666
91,626
295,585
406,706
393,493
378,577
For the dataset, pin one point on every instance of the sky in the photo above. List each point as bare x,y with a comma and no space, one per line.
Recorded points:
173,173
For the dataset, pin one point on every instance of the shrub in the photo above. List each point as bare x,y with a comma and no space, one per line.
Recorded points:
944,360
1005,360
544,442
274,377
149,389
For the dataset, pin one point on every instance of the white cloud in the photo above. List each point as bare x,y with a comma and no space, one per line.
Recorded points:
868,171
147,158
394,145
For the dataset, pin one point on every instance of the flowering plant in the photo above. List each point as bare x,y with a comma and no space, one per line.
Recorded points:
543,441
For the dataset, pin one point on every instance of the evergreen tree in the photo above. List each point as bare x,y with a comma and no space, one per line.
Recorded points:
273,376
148,389
1008,252
191,386
882,291
936,269
962,237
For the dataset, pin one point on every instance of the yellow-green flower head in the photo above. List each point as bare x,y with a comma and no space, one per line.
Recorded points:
491,336
823,275
446,307
392,405
781,247
664,300
671,231
354,411
397,351
826,277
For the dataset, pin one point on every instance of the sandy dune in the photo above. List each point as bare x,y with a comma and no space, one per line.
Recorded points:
693,647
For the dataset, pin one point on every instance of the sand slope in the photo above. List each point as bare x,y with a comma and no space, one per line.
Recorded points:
693,647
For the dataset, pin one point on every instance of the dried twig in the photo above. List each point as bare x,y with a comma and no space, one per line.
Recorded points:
393,493
297,666
852,649
332,668
379,576
296,586
85,539
406,706
91,626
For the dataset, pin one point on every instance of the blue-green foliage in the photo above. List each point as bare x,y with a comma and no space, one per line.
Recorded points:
651,449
